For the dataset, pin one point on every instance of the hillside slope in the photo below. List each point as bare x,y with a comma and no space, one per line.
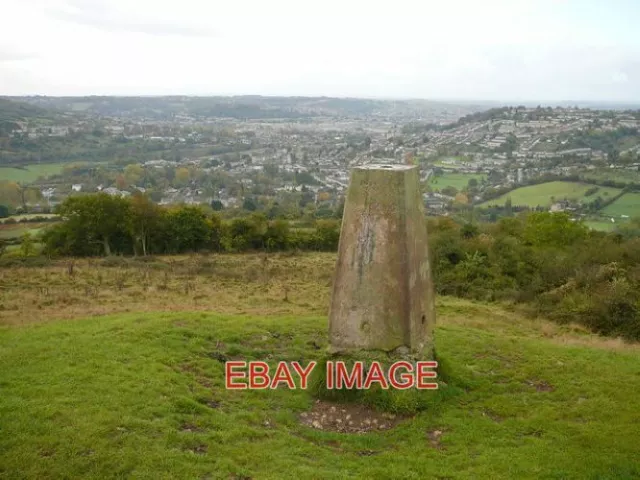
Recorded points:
12,111
142,395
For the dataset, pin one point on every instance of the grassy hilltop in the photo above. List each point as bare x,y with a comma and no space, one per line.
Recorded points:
114,368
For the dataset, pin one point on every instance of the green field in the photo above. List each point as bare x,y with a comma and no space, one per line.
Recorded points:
457,180
17,218
18,229
622,176
31,173
141,395
446,161
628,204
542,194
601,225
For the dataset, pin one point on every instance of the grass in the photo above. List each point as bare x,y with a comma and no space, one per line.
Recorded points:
26,216
238,284
31,173
542,194
15,230
448,161
457,180
601,225
628,204
139,393
616,175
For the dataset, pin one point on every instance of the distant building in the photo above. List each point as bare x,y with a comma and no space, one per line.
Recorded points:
115,192
556,207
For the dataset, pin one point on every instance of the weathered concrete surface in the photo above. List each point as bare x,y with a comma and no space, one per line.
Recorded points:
383,292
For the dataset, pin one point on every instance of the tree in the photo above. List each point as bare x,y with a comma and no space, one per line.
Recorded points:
27,194
182,176
249,205
217,205
214,222
449,191
327,234
26,245
121,182
145,218
133,173
187,229
274,211
508,208
277,235
4,211
244,233
469,230
104,215
9,193
553,229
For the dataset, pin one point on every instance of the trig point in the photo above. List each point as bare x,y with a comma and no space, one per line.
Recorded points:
383,293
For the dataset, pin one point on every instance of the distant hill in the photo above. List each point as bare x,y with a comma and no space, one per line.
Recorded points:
12,112
252,107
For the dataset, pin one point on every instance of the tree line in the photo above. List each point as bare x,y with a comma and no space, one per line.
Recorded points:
101,224
547,262
554,266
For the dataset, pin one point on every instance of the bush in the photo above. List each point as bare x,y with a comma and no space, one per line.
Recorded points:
543,259
568,273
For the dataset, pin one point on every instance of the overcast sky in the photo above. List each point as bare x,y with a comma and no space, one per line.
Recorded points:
502,50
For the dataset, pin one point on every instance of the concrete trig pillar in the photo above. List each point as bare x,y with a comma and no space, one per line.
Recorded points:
383,292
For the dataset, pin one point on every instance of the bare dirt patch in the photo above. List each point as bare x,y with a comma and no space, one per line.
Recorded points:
212,404
199,449
189,427
434,439
348,418
493,416
540,385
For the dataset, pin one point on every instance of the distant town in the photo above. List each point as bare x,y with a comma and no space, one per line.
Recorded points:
281,155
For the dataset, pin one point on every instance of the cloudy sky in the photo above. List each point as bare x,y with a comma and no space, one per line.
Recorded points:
504,50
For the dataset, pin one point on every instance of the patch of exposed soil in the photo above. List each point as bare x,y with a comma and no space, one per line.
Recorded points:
222,358
348,418
493,416
188,427
434,438
47,452
540,385
205,382
199,449
210,403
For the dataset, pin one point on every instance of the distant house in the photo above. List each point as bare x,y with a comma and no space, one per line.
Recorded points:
115,192
556,207
48,192
76,187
